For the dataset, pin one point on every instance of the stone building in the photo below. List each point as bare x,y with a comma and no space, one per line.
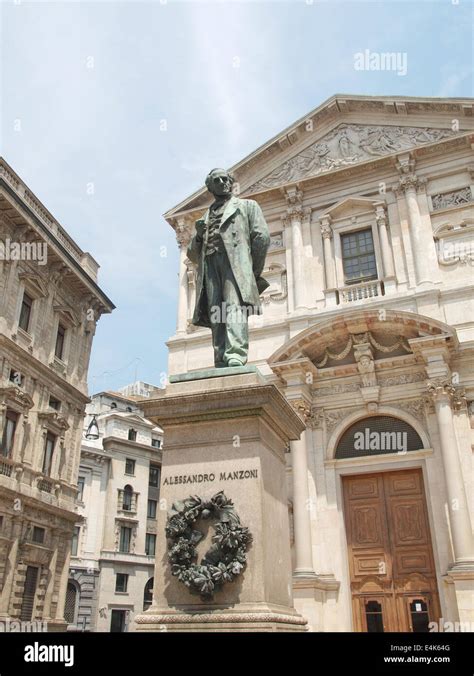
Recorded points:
50,304
112,562
368,329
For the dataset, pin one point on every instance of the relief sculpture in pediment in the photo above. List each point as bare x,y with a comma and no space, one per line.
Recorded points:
349,144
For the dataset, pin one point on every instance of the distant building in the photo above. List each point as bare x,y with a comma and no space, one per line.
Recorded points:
111,570
368,330
139,389
50,304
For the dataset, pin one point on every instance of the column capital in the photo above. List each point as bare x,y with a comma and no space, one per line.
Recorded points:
325,226
443,388
380,213
316,418
411,182
302,408
307,211
294,201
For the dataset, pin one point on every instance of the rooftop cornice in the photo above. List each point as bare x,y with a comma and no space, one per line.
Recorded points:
24,200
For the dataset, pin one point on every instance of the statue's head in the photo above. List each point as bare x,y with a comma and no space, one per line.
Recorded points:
219,182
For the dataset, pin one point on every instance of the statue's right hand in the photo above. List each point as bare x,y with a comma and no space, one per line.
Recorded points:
200,227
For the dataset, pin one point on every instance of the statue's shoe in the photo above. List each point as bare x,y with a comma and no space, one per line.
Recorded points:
234,362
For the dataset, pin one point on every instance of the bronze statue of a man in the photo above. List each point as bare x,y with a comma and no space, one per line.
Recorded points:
229,248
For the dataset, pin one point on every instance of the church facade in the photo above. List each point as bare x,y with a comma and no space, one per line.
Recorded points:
368,329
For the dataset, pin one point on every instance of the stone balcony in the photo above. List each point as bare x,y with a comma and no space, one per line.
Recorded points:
362,291
31,483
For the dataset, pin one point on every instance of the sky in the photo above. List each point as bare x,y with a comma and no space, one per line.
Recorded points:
113,112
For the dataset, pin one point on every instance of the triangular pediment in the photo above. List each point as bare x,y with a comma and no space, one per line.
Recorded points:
34,283
67,314
349,144
344,130
352,206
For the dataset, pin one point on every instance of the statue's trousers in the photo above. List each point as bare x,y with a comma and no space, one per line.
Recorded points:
229,321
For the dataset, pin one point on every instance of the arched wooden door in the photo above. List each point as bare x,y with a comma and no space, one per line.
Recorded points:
393,579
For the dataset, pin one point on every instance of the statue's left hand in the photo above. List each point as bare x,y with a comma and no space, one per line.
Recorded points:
200,227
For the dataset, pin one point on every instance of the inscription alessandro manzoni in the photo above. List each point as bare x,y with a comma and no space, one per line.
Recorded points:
236,475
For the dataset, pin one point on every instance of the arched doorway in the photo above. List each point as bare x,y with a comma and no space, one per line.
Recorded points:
392,571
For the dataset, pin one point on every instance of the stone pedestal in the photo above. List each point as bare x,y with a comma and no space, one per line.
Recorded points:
227,433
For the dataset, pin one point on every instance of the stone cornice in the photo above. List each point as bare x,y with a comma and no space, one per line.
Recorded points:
16,396
36,215
234,401
33,367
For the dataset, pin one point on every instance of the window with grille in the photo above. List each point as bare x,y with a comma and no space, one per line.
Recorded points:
70,604
378,435
132,434
29,593
358,256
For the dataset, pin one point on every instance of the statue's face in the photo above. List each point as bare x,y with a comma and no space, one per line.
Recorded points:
220,183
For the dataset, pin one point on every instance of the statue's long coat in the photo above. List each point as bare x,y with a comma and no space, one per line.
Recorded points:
245,235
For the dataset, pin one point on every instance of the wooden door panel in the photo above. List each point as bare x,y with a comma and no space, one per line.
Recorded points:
365,487
405,482
407,520
390,552
367,525
371,563
412,560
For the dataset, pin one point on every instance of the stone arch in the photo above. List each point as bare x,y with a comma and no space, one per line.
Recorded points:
362,414
322,331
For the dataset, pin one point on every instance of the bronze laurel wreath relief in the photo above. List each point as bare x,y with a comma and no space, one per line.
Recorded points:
225,559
